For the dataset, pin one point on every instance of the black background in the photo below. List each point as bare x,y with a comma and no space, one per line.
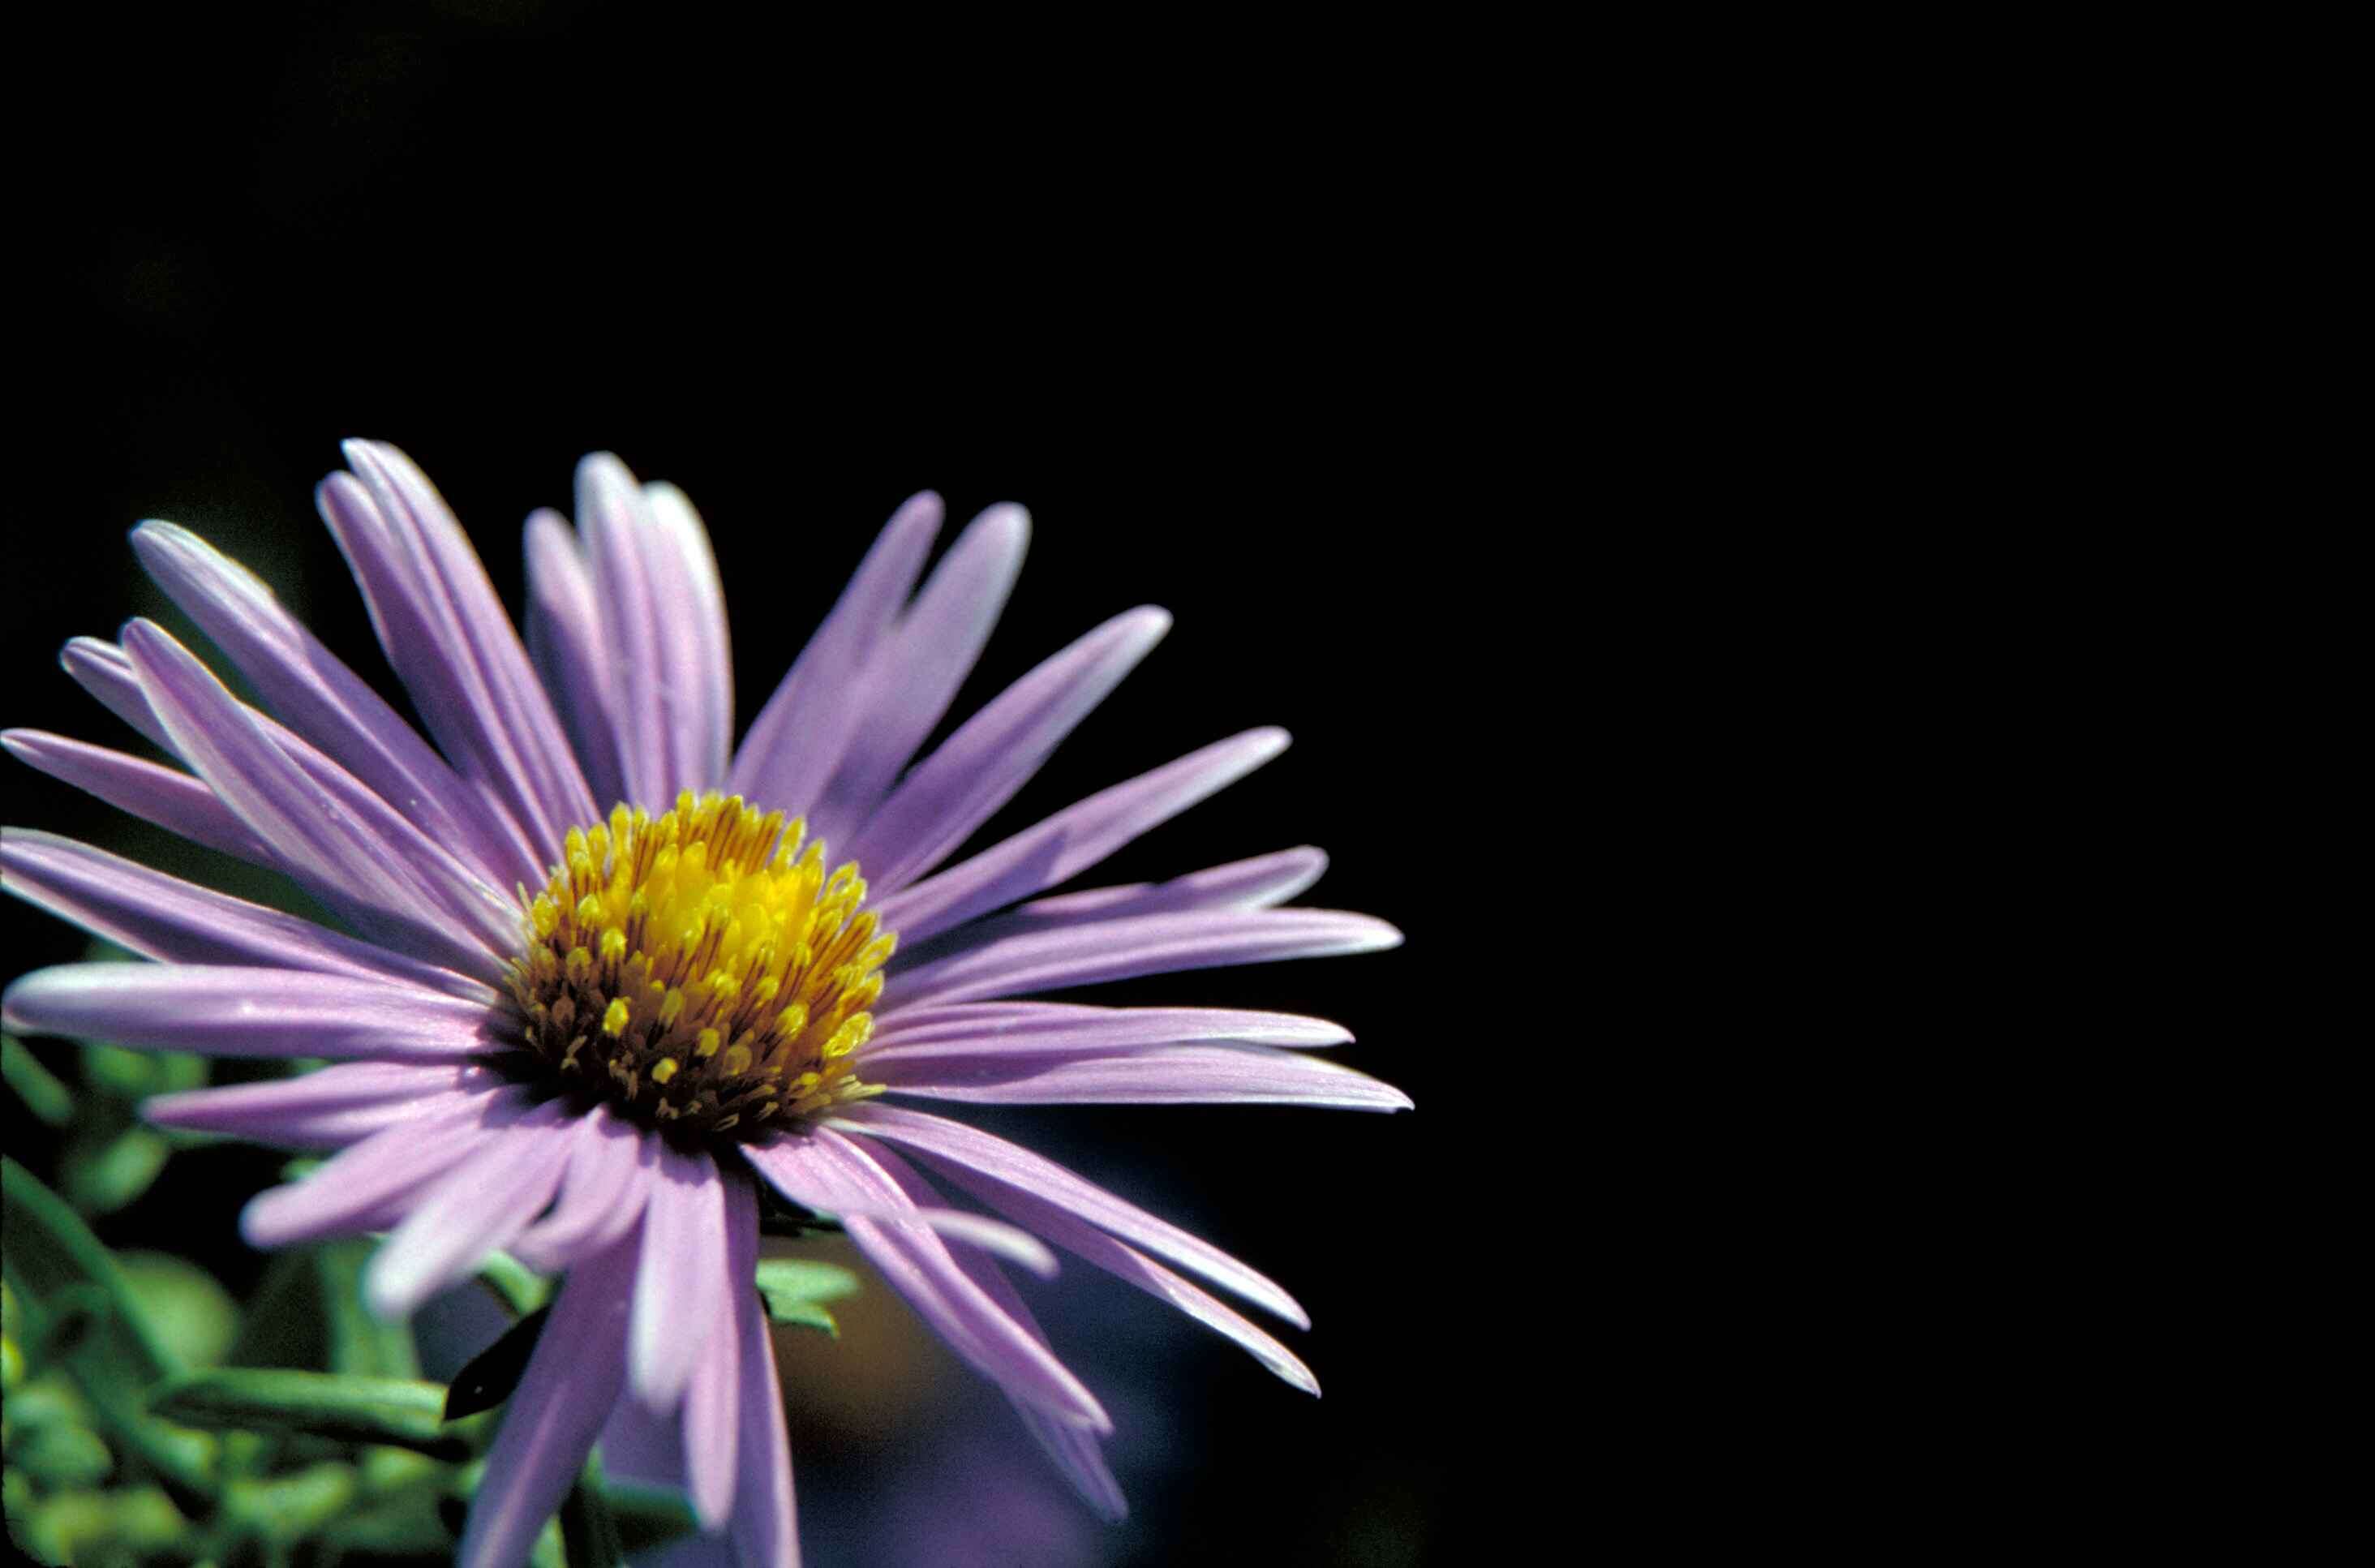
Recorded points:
1227,339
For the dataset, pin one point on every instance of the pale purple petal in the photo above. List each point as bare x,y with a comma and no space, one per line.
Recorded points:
447,637
1146,944
713,1400
644,1448
1076,1235
764,1534
1073,838
797,740
344,844
101,668
830,1174
701,702
162,917
330,1108
565,640
610,516
946,1143
171,799
1018,1027
313,692
611,1164
1263,882
789,1166
1177,1075
911,682
979,769
478,1206
376,1182
552,1418
1076,1452
240,1010
680,1284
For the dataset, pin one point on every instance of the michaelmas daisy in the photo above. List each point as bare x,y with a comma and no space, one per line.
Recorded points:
603,971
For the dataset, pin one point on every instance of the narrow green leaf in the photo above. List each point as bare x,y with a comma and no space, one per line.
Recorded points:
649,1517
42,1091
286,1509
514,1283
192,1315
406,1413
116,1072
803,1314
589,1535
50,1251
793,1288
62,1457
74,1301
491,1374
359,1341
807,1278
103,1176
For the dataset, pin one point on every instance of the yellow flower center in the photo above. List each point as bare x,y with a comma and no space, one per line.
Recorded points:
700,970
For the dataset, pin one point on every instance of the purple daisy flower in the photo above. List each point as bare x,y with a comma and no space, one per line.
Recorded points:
585,1036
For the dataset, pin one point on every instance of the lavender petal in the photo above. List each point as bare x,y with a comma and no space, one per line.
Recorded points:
313,692
946,1144
1122,949
1076,1235
789,1167
242,1010
1076,1453
765,1534
480,1205
993,753
344,844
701,702
612,1165
171,799
330,1108
162,917
713,1399
1073,838
1177,1075
565,642
836,1176
101,668
680,1285
797,740
915,676
373,1184
1017,1028
553,1417
446,636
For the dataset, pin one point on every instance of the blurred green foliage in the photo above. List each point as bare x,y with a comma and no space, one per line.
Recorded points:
152,1418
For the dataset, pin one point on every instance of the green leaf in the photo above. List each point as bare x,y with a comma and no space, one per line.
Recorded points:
192,1315
50,1254
649,1517
404,1412
41,1090
359,1341
491,1374
284,1510
793,1288
116,1072
103,1176
62,1457
589,1535
514,1284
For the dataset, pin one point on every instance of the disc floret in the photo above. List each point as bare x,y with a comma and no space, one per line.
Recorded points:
700,969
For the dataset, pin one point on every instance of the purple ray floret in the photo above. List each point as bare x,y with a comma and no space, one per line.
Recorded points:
547,1037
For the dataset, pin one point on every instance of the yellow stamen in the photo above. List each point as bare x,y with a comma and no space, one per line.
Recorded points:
730,974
